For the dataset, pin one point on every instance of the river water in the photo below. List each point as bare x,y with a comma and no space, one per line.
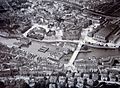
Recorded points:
99,53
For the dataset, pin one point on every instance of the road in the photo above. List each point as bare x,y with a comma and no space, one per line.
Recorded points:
69,65
54,41
75,54
35,25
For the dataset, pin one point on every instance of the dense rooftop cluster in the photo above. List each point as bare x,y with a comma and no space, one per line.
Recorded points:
15,20
41,64
28,63
59,80
61,16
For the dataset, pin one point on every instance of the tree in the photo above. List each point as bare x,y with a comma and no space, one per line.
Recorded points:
25,85
2,85
90,75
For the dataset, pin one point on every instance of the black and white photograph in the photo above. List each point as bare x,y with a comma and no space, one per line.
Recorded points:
59,43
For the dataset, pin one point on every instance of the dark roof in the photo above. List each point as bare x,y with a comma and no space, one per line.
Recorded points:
109,9
106,31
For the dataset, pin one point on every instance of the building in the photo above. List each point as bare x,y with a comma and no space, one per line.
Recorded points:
37,33
4,5
103,34
72,34
86,65
9,72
